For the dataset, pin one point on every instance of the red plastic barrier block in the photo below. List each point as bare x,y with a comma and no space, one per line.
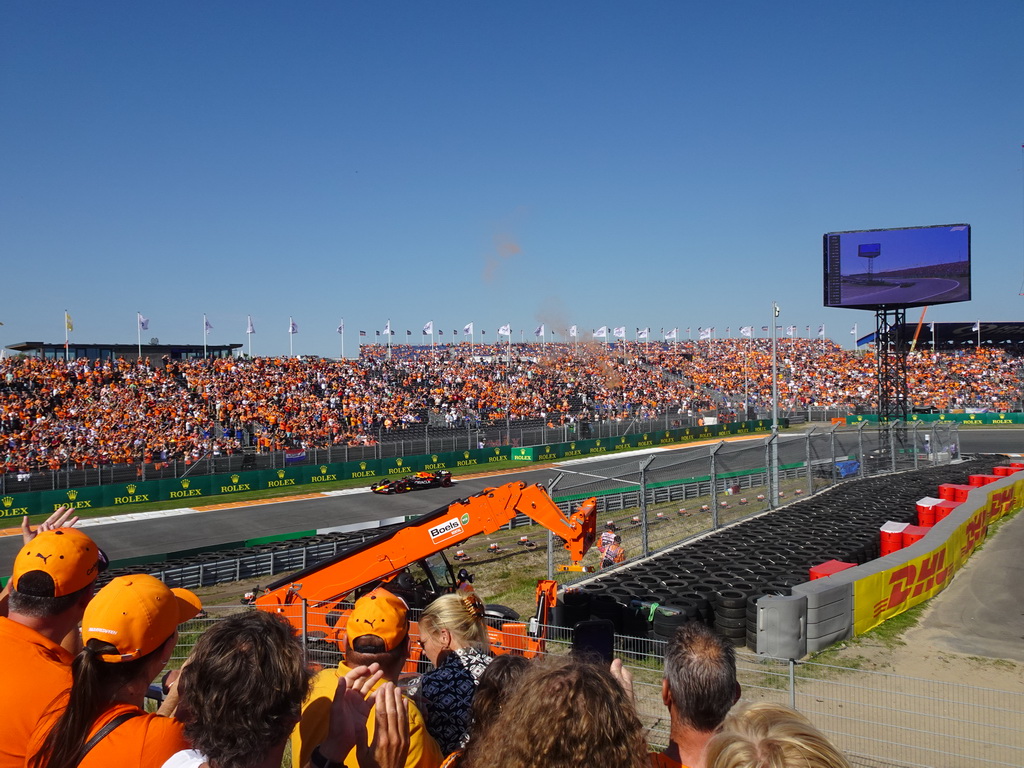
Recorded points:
891,537
828,568
926,511
943,508
913,533
954,492
979,480
1005,471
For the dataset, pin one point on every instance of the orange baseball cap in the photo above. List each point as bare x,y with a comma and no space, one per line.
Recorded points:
382,614
136,614
56,563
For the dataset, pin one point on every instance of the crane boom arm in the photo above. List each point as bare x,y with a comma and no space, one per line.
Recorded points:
447,526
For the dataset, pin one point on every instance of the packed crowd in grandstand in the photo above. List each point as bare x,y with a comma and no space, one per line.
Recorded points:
81,413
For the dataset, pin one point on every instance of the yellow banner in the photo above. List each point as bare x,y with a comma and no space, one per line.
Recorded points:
881,596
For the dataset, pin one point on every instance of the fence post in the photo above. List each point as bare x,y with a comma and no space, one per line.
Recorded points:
643,505
832,442
892,445
714,488
792,683
768,469
551,535
860,448
305,637
917,424
810,473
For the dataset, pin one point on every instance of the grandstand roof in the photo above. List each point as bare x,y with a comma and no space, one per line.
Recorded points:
102,351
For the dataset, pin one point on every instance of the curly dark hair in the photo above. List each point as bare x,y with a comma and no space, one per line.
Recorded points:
242,689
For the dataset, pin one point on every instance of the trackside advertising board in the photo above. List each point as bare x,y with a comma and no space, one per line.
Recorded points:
883,595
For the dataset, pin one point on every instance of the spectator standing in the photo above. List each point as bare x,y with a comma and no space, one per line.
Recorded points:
699,689
52,583
241,692
614,553
454,638
769,735
377,633
129,630
563,713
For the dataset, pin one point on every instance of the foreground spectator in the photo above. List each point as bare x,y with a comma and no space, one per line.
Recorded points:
768,735
129,630
563,713
699,689
52,583
241,692
493,689
377,634
454,639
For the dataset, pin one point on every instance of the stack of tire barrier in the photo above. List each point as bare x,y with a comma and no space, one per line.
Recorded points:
718,578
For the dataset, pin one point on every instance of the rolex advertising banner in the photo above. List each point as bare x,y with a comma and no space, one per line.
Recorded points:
185,488
79,498
401,465
238,482
282,478
436,461
16,505
322,473
123,494
368,470
523,454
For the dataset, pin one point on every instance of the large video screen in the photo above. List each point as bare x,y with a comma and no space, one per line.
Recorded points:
908,267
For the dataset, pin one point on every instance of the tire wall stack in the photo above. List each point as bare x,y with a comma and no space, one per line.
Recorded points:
858,599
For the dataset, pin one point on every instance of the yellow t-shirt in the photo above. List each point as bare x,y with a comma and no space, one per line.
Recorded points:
312,728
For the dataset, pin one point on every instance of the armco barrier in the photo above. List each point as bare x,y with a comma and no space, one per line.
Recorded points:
188,488
858,599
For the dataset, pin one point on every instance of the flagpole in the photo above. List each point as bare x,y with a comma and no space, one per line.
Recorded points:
138,329
66,315
204,335
343,338
290,337
854,337
248,333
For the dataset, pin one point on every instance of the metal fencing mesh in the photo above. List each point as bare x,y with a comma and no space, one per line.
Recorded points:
878,719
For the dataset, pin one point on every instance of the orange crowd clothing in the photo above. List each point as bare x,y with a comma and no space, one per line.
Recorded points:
145,741
316,710
36,672
661,760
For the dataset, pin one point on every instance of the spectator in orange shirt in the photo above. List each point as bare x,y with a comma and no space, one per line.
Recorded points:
129,629
53,579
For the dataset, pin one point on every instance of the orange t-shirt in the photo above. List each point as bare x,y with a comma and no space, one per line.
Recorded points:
145,741
661,760
36,672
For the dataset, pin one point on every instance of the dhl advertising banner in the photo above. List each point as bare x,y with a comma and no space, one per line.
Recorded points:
888,593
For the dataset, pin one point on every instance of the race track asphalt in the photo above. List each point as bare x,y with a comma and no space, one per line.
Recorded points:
981,613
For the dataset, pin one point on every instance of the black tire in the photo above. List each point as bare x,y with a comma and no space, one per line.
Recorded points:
494,610
721,621
731,613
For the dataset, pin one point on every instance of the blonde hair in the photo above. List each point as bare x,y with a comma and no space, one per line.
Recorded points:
460,614
767,735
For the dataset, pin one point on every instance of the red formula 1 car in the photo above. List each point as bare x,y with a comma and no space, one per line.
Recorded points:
417,482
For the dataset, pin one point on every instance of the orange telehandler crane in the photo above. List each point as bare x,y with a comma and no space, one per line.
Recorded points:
411,561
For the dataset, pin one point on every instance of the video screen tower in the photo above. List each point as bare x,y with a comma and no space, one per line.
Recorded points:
889,270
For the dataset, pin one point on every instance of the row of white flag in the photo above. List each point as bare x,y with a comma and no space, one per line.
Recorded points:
618,332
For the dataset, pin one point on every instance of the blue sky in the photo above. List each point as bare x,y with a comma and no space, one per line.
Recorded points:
593,163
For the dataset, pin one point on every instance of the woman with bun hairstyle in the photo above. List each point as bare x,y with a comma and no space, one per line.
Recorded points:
453,636
129,630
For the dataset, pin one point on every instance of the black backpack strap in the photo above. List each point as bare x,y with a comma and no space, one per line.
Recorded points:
104,731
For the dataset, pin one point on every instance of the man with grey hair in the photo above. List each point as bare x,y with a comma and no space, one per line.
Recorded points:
699,689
